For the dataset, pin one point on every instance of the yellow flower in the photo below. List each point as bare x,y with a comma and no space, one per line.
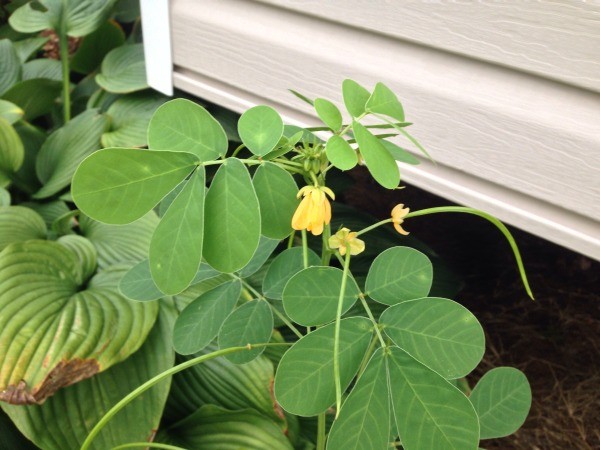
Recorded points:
314,211
398,214
345,237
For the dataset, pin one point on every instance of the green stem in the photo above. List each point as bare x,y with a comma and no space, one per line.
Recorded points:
304,249
372,227
321,431
492,219
237,150
347,127
147,445
216,162
367,357
157,379
336,342
325,252
314,178
290,242
372,318
64,60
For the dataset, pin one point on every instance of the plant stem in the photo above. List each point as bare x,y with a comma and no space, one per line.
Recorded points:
347,127
215,162
147,445
336,341
64,60
237,150
290,242
304,249
375,225
157,379
367,357
325,252
321,431
372,318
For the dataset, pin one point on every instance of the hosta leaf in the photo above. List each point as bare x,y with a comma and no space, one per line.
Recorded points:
328,113
123,70
266,246
378,159
214,428
12,152
364,420
126,243
437,332
65,419
355,97
4,199
311,296
276,191
54,331
105,179
129,119
64,149
10,112
10,437
182,125
27,47
260,129
304,383
75,17
84,251
33,138
176,246
36,97
199,323
10,70
18,224
232,234
95,46
502,399
340,153
42,68
251,323
49,211
430,412
283,267
399,274
384,101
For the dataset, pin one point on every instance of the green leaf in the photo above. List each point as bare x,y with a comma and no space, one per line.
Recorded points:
311,296
328,113
108,177
64,150
49,211
95,46
32,138
251,323
340,153
19,224
430,413
304,383
283,267
10,437
232,234
302,97
378,159
27,47
4,199
384,101
438,333
364,420
36,97
10,112
137,283
56,327
266,247
276,191
123,70
126,243
129,119
400,154
355,97
502,399
12,152
260,129
42,68
214,428
182,125
66,418
10,70
127,11
399,274
176,246
74,17
199,323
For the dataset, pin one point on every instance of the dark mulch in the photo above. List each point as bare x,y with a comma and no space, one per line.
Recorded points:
555,339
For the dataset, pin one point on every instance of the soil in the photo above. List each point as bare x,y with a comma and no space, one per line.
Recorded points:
554,340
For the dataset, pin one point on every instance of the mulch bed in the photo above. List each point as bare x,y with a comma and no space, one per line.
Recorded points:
555,339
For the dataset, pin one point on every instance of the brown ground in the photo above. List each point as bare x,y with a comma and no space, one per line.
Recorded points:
554,340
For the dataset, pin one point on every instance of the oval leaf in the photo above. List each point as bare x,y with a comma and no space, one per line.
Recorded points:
137,284
233,231
328,113
304,383
251,323
35,97
437,332
109,176
182,125
384,101
260,129
42,68
340,153
266,247
200,321
123,70
12,152
10,112
10,71
176,246
96,46
311,296
283,267
379,161
276,191
502,399
355,97
400,154
18,224
399,274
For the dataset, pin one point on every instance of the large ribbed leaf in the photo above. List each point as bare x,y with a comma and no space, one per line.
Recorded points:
123,70
12,152
56,327
18,224
64,149
66,418
33,138
232,234
10,70
214,428
430,412
10,112
36,97
120,185
125,243
95,46
42,68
